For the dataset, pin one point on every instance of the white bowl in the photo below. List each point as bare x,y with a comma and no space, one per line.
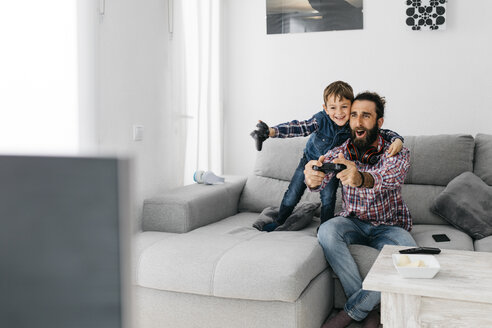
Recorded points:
429,271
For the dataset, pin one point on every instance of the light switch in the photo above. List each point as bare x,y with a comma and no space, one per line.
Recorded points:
138,131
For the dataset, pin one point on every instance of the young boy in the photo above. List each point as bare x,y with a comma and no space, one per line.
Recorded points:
328,129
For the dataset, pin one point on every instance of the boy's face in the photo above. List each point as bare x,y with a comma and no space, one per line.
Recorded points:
338,109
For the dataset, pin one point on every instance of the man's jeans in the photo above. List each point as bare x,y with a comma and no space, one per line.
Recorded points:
335,235
296,189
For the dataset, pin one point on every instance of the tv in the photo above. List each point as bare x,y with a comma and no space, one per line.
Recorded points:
64,242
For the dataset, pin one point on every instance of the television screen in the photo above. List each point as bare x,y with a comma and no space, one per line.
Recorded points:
64,232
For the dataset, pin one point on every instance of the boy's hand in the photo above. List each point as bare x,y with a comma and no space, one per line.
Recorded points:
314,178
261,124
395,148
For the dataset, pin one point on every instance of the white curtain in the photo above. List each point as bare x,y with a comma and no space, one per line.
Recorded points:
197,38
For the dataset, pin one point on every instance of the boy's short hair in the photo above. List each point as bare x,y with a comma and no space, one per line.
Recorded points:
338,89
379,101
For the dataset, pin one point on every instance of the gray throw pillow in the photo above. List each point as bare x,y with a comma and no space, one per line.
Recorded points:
267,216
300,217
466,203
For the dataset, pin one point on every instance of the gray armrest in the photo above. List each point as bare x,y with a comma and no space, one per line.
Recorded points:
190,207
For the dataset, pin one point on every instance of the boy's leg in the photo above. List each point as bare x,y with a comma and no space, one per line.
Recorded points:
328,198
294,192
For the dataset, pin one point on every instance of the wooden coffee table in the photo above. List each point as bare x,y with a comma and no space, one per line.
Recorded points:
460,295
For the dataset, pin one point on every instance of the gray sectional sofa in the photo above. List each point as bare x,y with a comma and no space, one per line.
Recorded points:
200,263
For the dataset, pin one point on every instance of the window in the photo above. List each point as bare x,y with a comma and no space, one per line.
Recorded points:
38,79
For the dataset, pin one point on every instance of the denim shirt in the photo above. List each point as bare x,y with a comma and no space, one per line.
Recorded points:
328,136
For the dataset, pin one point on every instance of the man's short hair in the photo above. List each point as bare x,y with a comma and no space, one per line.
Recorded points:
379,101
338,89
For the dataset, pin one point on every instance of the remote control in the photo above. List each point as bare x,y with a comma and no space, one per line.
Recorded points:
421,250
330,167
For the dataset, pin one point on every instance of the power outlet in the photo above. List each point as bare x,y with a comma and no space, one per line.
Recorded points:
138,131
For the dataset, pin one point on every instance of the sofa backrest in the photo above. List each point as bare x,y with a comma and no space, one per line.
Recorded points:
274,168
434,161
483,157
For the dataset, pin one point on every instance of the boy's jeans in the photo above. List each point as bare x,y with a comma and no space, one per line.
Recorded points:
296,189
335,235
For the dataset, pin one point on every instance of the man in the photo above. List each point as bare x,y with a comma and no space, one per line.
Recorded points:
373,214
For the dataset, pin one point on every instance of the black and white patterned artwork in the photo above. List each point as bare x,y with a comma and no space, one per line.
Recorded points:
426,14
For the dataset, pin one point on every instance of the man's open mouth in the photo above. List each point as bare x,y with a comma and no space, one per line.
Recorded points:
360,133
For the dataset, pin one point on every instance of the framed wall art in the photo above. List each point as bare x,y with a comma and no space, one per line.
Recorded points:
300,16
426,14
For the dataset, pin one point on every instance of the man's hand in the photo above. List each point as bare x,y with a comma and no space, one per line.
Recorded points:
350,176
314,178
395,147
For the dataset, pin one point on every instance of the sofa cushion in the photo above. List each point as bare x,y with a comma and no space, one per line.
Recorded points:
466,204
279,157
300,218
484,244
483,157
419,199
274,168
232,259
422,233
438,159
262,192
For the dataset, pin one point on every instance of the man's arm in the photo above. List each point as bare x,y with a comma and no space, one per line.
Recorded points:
317,180
390,176
351,176
312,178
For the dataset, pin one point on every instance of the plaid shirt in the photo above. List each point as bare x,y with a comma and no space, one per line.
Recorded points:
296,128
383,203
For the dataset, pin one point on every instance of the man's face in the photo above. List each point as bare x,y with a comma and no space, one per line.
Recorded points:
364,124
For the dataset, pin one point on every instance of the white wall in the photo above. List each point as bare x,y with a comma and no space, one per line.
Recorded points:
130,75
434,82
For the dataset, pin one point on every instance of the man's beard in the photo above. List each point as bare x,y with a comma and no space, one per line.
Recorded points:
362,144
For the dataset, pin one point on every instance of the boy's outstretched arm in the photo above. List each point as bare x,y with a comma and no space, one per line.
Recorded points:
294,128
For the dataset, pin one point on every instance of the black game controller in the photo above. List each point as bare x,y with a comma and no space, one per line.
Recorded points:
330,167
261,134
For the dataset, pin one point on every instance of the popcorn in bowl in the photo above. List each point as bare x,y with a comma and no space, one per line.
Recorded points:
416,265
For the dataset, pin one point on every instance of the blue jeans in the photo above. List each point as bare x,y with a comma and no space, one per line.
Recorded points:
335,235
296,190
